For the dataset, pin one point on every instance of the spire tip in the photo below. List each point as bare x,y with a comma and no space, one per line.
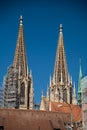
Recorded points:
21,19
61,27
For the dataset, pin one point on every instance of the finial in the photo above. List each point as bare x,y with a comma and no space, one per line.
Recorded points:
74,90
50,80
61,27
47,92
31,73
53,80
21,19
74,100
71,79
68,77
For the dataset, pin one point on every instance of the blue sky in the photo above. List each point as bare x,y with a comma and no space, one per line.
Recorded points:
41,19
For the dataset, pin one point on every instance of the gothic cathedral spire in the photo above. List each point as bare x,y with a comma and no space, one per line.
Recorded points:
60,69
61,85
18,83
20,61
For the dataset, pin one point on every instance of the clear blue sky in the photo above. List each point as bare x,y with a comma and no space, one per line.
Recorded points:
41,20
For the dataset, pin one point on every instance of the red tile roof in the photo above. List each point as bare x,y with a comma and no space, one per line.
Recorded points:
67,108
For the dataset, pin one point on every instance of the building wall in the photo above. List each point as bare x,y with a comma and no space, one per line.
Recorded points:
16,119
84,102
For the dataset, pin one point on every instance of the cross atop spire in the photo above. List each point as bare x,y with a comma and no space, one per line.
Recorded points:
61,27
21,20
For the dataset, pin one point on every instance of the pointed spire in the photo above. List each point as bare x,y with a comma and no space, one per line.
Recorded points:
71,79
53,80
80,77
47,96
31,97
31,89
20,52
80,73
42,103
50,80
74,90
60,62
68,78
74,100
31,73
79,86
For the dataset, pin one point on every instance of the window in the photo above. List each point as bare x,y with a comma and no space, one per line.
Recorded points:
1,127
22,93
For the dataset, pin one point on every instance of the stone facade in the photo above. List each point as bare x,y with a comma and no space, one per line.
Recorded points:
84,101
11,119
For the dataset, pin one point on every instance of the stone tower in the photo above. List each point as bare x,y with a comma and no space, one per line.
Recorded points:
61,83
23,82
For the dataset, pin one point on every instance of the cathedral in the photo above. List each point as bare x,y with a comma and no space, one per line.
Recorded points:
18,82
18,92
60,87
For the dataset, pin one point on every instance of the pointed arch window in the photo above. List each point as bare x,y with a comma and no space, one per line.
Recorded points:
22,94
65,95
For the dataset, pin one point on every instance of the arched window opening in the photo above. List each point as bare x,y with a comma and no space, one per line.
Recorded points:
65,95
22,94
